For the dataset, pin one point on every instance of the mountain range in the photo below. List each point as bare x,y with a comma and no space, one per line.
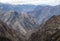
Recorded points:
43,13
38,11
18,8
30,22
27,17
19,21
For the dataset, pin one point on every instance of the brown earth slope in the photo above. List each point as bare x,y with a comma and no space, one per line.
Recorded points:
50,31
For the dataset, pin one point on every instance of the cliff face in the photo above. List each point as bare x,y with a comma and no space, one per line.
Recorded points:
50,31
9,34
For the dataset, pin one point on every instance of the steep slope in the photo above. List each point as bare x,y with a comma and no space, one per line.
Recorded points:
9,34
50,31
20,21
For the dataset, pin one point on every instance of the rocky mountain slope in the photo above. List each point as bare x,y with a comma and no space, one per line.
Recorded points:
20,21
9,34
50,31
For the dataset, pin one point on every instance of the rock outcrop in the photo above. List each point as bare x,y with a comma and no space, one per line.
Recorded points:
50,31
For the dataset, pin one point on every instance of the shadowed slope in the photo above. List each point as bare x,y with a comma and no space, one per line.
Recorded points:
50,31
9,34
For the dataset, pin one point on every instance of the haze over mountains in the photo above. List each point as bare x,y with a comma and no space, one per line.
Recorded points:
27,17
36,10
45,12
32,22
18,8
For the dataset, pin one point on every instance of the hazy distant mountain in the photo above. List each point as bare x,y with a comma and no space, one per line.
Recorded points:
43,13
17,8
20,21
